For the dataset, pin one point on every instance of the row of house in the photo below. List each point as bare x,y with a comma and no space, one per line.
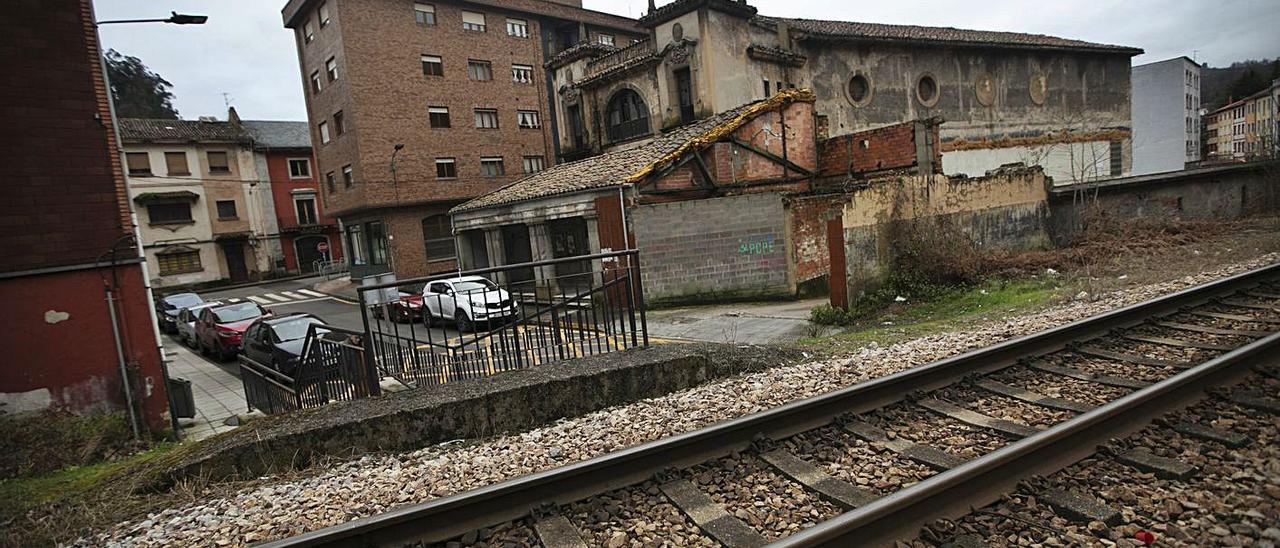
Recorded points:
1246,129
227,200
433,78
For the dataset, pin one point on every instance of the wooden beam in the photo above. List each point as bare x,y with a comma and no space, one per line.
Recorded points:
774,157
703,169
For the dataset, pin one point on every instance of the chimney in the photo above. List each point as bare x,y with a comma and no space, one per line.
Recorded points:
232,116
652,8
784,35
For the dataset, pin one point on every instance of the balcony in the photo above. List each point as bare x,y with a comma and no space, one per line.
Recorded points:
636,54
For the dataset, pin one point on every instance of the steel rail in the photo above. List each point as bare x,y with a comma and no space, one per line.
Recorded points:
982,480
449,517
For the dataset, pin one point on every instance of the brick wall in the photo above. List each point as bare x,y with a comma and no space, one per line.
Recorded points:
807,218
63,201
731,247
866,152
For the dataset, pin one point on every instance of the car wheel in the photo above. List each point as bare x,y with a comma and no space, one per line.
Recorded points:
464,323
427,319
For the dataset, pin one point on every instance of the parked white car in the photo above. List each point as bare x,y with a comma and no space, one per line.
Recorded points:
467,301
185,321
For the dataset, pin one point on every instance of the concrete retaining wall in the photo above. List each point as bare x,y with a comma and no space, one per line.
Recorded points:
717,248
509,402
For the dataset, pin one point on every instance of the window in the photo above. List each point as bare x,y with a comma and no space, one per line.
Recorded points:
299,168
860,90
533,164
518,28
226,209
424,14
315,82
139,163
626,116
339,127
377,243
438,235
606,39
486,118
175,163
323,10
438,116
169,213
331,68
179,261
305,205
432,66
473,21
308,32
577,129
324,132
522,74
218,162
480,71
927,90
446,168
766,89
330,181
355,244
528,119
348,178
1116,154
492,166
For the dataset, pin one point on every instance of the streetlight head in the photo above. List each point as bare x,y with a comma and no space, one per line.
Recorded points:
399,146
185,19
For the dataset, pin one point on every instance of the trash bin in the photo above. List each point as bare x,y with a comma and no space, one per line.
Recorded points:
183,400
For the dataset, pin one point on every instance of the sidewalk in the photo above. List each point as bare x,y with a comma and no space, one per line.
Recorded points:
219,395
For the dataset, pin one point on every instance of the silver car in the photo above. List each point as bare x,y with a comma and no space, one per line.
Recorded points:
186,322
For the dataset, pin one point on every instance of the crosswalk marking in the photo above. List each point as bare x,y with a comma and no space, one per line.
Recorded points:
277,298
259,300
311,293
292,295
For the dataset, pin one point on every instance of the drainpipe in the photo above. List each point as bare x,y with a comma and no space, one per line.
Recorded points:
124,368
137,238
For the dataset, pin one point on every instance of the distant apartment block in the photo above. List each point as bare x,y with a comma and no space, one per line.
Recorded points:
1247,129
1166,115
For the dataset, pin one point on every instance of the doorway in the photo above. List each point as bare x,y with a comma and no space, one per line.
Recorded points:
684,93
307,250
516,250
236,267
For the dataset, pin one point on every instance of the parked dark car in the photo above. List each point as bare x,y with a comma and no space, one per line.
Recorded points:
406,309
219,329
277,342
167,308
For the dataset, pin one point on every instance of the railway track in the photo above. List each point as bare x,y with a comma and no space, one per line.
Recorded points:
873,463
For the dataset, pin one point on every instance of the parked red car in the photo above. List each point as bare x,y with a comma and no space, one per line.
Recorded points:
219,329
406,309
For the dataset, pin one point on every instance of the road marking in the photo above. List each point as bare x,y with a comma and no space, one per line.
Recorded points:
312,293
317,299
292,295
259,300
276,298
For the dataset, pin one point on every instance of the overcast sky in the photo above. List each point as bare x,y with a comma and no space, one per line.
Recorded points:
245,52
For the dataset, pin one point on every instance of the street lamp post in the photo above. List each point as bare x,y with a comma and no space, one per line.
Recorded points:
176,19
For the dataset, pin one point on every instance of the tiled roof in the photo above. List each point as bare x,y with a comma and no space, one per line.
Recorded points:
181,131
270,134
621,167
681,7
947,35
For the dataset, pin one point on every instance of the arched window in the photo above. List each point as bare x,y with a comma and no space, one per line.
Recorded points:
626,116
438,235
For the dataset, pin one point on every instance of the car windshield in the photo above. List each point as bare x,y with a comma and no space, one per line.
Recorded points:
473,285
183,300
237,312
294,329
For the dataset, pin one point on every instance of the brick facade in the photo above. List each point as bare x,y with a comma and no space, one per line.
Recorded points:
890,148
293,235
384,96
64,209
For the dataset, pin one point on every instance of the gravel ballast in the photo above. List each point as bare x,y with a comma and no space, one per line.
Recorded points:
376,483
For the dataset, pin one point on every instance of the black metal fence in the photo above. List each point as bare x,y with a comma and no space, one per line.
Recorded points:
463,325
332,368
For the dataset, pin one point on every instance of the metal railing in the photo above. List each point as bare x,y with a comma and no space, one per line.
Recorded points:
332,368
534,313
330,269
641,48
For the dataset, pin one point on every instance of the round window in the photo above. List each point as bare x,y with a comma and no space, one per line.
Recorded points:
927,90
860,89
1038,87
984,86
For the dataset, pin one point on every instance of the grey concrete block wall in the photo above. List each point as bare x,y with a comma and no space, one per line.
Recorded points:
729,247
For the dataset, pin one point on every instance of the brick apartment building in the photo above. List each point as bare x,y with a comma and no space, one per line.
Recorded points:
68,232
461,85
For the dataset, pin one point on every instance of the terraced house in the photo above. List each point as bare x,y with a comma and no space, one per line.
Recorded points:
461,85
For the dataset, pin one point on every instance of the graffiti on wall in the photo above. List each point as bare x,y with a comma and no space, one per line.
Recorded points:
757,245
